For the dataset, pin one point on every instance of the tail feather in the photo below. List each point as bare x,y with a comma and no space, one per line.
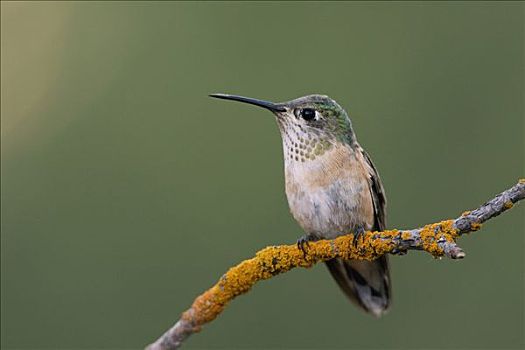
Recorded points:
366,283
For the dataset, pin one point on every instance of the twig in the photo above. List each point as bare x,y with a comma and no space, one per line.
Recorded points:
438,239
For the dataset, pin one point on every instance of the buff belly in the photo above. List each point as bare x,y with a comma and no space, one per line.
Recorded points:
330,196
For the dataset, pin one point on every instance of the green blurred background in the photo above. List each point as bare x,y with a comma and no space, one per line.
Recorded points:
126,191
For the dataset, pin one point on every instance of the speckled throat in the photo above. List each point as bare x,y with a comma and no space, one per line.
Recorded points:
301,144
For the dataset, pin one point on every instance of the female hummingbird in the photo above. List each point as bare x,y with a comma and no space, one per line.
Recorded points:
332,188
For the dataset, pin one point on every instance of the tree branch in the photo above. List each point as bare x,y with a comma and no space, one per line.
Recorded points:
438,239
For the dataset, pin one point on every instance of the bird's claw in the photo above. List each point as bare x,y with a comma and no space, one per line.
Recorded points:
302,242
358,234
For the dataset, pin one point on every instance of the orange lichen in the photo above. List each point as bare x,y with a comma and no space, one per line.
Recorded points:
475,226
406,235
465,213
278,259
431,234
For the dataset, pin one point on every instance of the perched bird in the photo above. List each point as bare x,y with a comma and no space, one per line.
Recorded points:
332,188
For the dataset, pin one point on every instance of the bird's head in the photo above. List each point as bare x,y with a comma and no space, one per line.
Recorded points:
309,125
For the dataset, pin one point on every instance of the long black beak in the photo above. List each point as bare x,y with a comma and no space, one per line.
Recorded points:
265,104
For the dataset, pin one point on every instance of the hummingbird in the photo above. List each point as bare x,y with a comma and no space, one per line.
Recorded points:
333,188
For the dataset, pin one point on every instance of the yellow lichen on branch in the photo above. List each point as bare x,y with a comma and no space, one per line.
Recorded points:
433,233
274,260
437,239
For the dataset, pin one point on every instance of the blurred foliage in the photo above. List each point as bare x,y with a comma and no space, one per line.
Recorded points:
126,191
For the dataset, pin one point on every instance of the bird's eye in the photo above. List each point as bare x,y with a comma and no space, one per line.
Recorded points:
308,114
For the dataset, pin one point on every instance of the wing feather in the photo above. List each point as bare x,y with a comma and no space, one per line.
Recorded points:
367,283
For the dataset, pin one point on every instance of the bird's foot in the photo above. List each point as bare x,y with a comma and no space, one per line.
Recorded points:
304,241
358,234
